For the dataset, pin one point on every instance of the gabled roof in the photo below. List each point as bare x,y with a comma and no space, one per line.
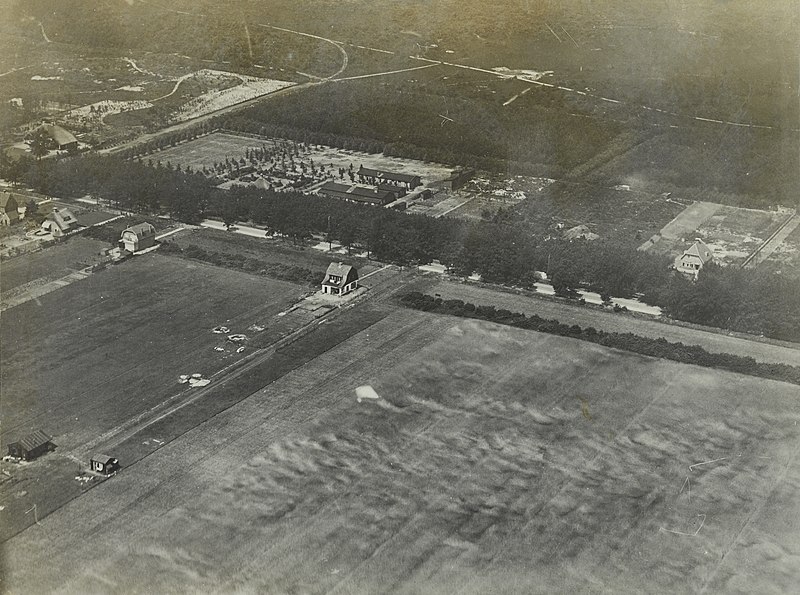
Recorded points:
390,187
6,198
334,187
344,272
105,459
141,230
34,440
63,218
386,175
700,250
358,192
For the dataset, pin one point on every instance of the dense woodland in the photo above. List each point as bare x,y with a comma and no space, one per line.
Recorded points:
738,63
503,252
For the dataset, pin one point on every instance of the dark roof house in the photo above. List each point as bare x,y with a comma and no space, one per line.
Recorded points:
357,193
31,446
63,139
104,464
340,279
60,222
9,209
377,176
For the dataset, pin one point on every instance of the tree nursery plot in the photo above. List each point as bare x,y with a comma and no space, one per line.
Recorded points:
426,454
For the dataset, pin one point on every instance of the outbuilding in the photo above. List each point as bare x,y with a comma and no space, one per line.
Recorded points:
31,446
340,279
104,464
138,237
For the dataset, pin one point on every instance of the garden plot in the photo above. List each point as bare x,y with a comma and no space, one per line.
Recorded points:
491,456
732,233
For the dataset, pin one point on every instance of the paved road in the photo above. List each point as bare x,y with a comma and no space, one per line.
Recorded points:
609,321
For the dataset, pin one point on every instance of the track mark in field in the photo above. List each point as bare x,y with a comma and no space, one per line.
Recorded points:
752,516
517,96
606,99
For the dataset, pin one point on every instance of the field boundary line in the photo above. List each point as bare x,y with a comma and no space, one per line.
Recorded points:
780,478
792,222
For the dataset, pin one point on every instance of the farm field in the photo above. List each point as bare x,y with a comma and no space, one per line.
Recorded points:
109,316
51,263
487,461
85,358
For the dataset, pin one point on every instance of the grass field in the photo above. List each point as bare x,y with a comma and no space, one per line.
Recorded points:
55,374
94,354
494,460
207,150
51,263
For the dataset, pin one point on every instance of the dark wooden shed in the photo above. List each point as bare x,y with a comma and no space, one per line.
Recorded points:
31,446
104,464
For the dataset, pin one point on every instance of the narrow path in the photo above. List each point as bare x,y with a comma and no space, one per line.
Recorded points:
13,70
338,45
771,244
32,291
47,39
600,97
366,76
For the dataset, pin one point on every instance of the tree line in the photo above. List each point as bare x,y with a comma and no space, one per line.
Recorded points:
502,251
687,354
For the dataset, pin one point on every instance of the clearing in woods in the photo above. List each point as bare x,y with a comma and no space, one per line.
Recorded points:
214,148
487,459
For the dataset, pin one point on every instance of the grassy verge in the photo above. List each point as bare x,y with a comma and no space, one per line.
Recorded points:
283,272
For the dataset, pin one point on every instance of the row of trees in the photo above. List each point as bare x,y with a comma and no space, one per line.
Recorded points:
688,354
502,252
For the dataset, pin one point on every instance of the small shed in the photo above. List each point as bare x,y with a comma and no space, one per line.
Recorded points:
138,237
104,464
31,446
340,279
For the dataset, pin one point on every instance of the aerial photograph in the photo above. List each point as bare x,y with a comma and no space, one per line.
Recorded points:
399,296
